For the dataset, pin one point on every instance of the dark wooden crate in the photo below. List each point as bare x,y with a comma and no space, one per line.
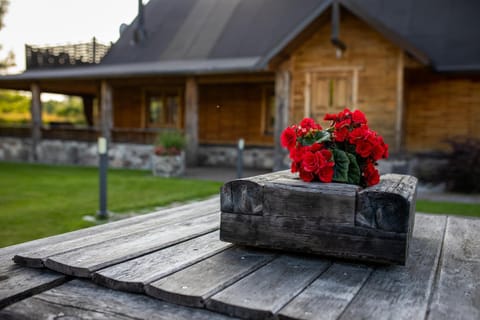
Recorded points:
279,211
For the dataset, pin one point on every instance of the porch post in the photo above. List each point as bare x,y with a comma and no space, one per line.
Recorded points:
400,114
282,101
191,120
106,114
36,122
88,109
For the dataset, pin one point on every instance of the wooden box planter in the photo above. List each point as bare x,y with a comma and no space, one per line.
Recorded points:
279,211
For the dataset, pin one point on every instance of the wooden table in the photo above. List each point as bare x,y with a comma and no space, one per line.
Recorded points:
171,265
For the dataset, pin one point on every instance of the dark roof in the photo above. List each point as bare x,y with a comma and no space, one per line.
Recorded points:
443,32
206,29
225,36
447,31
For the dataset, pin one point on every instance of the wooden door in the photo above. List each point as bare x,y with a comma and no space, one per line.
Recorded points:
330,93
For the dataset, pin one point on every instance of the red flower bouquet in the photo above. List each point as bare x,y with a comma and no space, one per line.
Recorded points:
345,152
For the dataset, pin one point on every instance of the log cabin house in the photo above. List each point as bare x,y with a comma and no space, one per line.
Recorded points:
220,70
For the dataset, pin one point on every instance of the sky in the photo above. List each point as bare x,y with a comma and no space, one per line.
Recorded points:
51,22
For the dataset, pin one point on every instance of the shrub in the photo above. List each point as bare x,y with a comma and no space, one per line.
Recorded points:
169,143
462,172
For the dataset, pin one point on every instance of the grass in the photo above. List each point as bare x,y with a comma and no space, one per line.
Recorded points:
41,200
451,208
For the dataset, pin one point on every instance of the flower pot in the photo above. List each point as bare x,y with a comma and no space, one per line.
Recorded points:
279,211
168,165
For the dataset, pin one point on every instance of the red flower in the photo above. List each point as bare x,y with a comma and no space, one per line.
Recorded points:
307,123
320,164
348,132
288,138
364,148
370,174
306,176
358,117
330,117
358,134
341,134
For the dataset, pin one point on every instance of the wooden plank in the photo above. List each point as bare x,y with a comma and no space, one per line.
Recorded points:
194,285
310,236
246,195
388,205
17,283
83,261
402,292
134,274
264,292
328,203
83,300
200,206
35,256
457,292
329,295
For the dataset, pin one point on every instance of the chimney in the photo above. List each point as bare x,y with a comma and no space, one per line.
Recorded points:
140,34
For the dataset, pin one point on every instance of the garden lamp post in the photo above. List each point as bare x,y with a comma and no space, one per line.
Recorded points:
102,174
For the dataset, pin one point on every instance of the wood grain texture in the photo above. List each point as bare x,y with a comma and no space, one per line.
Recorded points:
264,292
246,195
36,256
388,205
329,295
192,286
330,203
402,292
457,293
132,275
310,236
18,282
83,300
289,214
82,262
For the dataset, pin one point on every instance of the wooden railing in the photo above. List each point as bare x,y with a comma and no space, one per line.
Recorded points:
40,57
86,134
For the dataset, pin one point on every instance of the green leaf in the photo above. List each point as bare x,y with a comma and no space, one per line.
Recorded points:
353,169
322,136
316,137
341,166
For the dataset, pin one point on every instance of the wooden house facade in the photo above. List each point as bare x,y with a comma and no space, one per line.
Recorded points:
224,70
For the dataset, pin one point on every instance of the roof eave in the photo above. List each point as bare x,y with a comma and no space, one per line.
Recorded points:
166,68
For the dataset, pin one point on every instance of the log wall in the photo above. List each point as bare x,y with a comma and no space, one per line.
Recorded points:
375,58
228,112
440,107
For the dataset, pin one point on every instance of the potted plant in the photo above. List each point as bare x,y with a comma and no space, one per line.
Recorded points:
168,159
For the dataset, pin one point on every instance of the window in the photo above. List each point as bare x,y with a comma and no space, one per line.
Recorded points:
268,110
163,109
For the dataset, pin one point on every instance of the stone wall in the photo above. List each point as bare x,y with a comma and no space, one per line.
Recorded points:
121,155
124,155
226,156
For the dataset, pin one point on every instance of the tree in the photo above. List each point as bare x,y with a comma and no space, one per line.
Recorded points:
9,60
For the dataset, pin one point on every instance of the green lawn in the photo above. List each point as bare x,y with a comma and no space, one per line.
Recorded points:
462,209
41,200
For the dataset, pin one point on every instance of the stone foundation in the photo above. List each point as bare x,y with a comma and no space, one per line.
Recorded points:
125,155
138,156
226,156
121,155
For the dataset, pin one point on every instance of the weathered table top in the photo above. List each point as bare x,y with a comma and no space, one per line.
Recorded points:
175,260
